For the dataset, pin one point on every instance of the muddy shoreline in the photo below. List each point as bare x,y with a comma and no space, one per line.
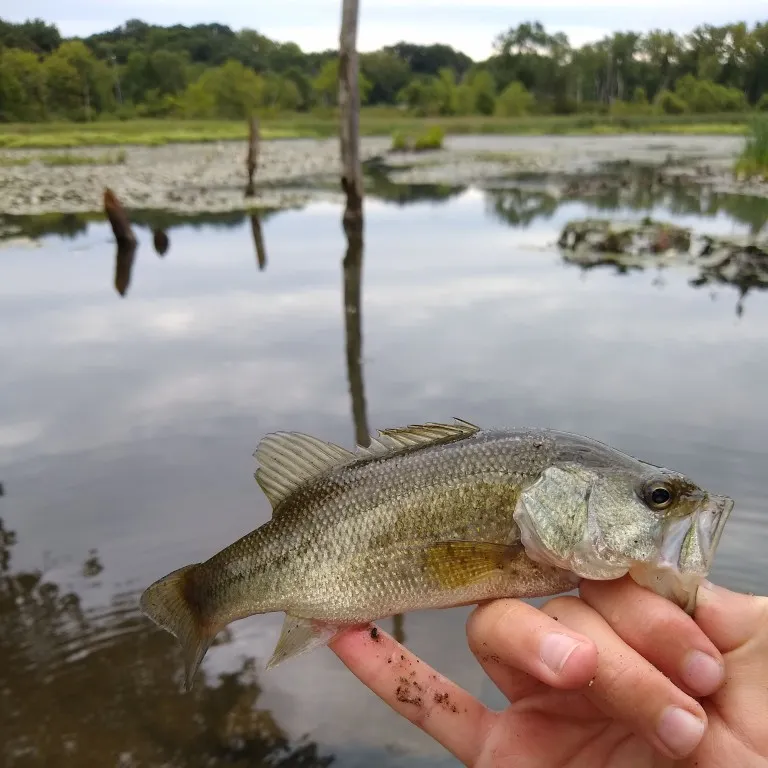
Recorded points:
194,178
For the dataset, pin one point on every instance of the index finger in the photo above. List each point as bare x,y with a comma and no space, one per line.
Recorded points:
660,632
442,709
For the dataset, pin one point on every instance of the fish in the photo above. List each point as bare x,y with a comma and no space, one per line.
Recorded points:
438,515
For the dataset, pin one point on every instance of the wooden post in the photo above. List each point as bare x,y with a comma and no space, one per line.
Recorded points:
258,241
252,161
349,110
118,218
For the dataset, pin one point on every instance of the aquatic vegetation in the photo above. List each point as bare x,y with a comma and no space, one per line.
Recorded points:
11,161
400,142
753,160
432,138
116,158
59,159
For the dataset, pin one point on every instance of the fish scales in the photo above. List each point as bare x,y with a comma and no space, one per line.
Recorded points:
348,547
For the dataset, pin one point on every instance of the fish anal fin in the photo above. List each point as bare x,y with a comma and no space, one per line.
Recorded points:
458,563
415,435
299,636
287,460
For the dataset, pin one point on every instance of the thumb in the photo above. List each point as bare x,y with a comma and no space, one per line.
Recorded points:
728,618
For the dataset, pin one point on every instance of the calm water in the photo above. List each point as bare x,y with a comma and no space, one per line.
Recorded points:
127,426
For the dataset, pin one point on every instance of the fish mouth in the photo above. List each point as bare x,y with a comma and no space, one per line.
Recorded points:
712,522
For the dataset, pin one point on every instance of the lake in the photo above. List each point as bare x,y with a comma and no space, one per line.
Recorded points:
128,423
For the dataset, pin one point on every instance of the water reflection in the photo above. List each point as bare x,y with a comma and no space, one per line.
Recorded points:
352,267
380,186
160,241
52,649
520,206
258,242
125,255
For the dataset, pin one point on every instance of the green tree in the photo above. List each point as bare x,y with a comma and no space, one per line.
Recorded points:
483,89
229,91
93,83
22,86
326,84
64,88
514,101
465,99
670,103
387,74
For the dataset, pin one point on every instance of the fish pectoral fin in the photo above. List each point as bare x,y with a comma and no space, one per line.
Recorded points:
459,563
300,636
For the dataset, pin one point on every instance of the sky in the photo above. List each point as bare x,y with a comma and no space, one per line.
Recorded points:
468,25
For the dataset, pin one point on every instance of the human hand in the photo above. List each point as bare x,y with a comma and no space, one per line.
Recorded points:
632,703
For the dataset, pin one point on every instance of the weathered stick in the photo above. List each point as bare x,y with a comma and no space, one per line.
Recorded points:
252,161
118,218
349,110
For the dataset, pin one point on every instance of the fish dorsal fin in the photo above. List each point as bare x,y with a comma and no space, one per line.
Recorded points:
287,460
396,439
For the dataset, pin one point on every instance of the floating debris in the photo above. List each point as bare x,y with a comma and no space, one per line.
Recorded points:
741,262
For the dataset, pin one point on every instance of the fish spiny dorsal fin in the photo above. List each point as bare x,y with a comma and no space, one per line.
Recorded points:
398,438
287,460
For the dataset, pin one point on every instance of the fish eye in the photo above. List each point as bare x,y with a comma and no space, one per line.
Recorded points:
658,495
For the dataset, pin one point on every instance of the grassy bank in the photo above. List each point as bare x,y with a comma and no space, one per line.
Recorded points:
374,122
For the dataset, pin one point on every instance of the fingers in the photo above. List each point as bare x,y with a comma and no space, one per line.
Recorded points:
738,624
515,642
442,709
730,619
660,632
630,689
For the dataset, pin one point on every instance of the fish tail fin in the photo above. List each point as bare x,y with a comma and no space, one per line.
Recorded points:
171,604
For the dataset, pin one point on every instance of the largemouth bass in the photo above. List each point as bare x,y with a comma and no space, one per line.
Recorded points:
435,516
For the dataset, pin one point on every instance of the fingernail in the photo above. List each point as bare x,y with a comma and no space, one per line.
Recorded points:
556,649
702,672
680,731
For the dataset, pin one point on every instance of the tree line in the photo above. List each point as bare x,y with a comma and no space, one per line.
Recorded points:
212,71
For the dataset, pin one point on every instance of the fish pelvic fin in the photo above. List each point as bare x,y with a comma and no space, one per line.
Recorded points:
300,636
170,603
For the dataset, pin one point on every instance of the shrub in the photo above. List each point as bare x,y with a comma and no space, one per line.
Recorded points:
753,160
432,138
670,103
514,101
